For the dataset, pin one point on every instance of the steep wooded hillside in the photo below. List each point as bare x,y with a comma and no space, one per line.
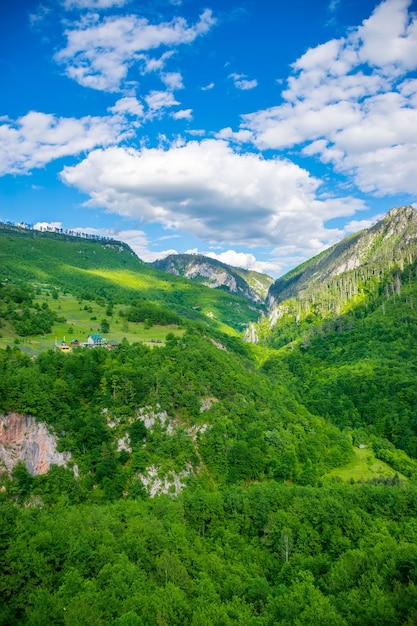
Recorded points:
343,274
348,335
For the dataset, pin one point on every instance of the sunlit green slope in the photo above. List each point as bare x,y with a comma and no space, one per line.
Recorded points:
109,269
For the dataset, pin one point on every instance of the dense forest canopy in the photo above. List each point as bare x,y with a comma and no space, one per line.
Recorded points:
206,480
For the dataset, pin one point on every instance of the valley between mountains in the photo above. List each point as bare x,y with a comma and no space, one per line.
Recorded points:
192,443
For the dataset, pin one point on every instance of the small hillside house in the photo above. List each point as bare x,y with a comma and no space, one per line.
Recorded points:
94,340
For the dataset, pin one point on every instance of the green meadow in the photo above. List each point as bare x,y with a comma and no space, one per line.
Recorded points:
80,319
363,467
111,271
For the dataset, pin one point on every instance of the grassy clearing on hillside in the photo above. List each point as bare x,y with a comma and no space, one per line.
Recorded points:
363,467
230,314
110,270
84,318
130,279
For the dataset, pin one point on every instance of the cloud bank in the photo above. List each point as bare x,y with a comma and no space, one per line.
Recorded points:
37,138
213,193
352,104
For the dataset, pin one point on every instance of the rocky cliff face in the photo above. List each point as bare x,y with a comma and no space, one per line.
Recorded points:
251,334
24,439
249,285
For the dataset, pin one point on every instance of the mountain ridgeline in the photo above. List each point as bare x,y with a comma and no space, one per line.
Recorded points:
345,326
327,284
251,285
182,476
342,275
90,268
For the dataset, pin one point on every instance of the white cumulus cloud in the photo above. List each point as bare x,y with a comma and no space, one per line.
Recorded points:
206,189
244,260
355,226
241,82
352,103
49,226
183,114
100,51
93,4
128,105
134,238
35,139
160,100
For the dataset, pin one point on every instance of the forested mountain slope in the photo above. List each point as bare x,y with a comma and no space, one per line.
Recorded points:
192,408
202,480
356,367
359,369
342,274
200,497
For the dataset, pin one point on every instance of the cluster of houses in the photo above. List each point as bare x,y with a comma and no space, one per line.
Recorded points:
95,340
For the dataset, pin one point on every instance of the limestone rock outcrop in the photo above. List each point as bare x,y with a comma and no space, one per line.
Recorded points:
24,439
250,285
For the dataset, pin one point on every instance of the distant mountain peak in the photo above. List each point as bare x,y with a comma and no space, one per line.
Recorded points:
405,211
252,286
397,220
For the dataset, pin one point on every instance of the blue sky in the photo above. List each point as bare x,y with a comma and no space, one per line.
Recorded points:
256,132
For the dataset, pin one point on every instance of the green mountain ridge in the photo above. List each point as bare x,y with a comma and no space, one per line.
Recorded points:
346,270
347,333
110,269
251,285
206,480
